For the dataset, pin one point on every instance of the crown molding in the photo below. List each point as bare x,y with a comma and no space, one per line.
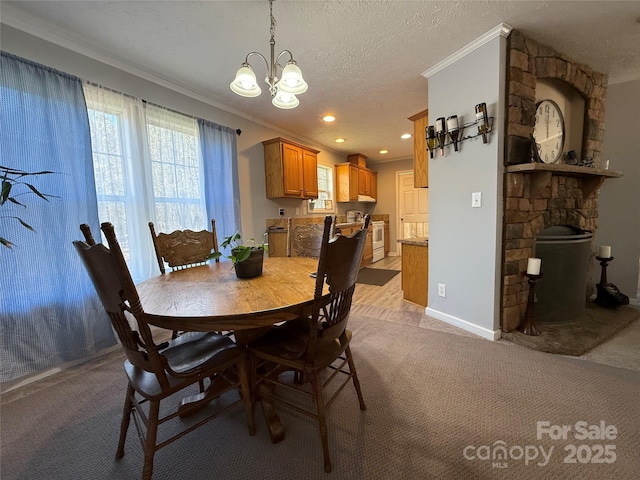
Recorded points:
502,30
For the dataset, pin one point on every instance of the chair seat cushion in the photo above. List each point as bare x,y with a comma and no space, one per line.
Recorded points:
210,352
287,344
200,349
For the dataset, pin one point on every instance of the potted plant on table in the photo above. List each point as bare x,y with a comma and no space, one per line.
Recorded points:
246,259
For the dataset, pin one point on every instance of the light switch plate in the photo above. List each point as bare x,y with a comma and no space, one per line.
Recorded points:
476,199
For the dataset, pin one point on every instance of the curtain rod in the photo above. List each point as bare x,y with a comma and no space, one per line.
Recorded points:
238,131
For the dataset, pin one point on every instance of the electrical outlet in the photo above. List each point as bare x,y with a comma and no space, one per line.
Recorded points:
281,212
476,199
442,290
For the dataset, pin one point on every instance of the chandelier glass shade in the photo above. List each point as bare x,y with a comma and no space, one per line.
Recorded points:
283,90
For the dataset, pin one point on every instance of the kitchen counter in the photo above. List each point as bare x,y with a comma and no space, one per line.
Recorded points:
419,241
306,233
415,270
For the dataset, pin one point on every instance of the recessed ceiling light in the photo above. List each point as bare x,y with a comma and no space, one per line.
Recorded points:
340,140
384,151
328,118
406,135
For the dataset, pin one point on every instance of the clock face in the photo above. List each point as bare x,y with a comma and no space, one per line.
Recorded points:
548,131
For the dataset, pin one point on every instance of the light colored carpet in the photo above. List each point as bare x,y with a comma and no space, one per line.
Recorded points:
429,396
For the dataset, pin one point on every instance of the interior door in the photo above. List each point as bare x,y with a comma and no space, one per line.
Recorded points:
413,208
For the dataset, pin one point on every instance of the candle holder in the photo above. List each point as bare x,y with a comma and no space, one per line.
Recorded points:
603,273
528,325
608,295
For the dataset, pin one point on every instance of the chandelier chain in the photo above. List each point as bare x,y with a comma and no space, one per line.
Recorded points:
273,21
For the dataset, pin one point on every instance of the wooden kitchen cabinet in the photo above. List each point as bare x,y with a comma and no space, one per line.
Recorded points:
346,182
291,169
420,153
367,253
364,182
353,180
415,271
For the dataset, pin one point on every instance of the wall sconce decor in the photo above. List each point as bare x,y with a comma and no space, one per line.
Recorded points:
441,132
454,130
431,140
482,120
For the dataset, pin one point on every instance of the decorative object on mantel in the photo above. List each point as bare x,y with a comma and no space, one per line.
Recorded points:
548,132
608,295
453,128
528,325
283,90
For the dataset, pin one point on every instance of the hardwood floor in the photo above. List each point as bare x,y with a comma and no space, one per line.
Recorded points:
386,302
388,295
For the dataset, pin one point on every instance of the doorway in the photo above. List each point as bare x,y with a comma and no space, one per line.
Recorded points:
413,208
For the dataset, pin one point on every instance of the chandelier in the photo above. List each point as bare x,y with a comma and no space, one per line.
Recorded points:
283,90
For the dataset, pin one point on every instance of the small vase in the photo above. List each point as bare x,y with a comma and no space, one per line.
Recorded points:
252,266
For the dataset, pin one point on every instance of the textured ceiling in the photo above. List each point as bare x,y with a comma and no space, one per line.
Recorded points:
362,59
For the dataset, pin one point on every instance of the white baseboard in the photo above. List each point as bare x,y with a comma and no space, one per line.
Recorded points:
468,326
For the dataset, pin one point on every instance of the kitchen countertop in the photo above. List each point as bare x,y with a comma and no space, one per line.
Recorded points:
419,241
350,224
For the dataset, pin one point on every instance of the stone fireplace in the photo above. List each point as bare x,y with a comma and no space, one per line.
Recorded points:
538,196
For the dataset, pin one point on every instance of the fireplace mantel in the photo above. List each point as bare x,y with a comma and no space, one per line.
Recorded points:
541,174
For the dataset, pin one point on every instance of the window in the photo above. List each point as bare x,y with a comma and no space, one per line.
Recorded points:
147,167
176,172
325,201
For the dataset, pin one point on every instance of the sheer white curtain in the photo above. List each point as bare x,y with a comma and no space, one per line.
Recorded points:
147,168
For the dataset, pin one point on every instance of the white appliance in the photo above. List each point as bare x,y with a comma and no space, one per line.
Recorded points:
377,231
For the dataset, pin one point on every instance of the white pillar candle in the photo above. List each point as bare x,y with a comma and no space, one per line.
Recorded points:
604,251
533,266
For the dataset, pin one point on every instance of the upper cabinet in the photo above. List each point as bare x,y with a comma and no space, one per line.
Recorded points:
420,156
355,182
291,169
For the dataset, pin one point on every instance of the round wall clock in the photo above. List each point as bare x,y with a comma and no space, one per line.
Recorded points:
548,131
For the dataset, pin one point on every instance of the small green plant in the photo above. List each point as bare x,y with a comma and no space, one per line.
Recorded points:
238,251
13,179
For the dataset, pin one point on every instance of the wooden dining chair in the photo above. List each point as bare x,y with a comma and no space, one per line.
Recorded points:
184,248
304,240
309,346
156,372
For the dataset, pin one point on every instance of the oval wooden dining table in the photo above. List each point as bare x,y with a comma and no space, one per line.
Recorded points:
210,298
